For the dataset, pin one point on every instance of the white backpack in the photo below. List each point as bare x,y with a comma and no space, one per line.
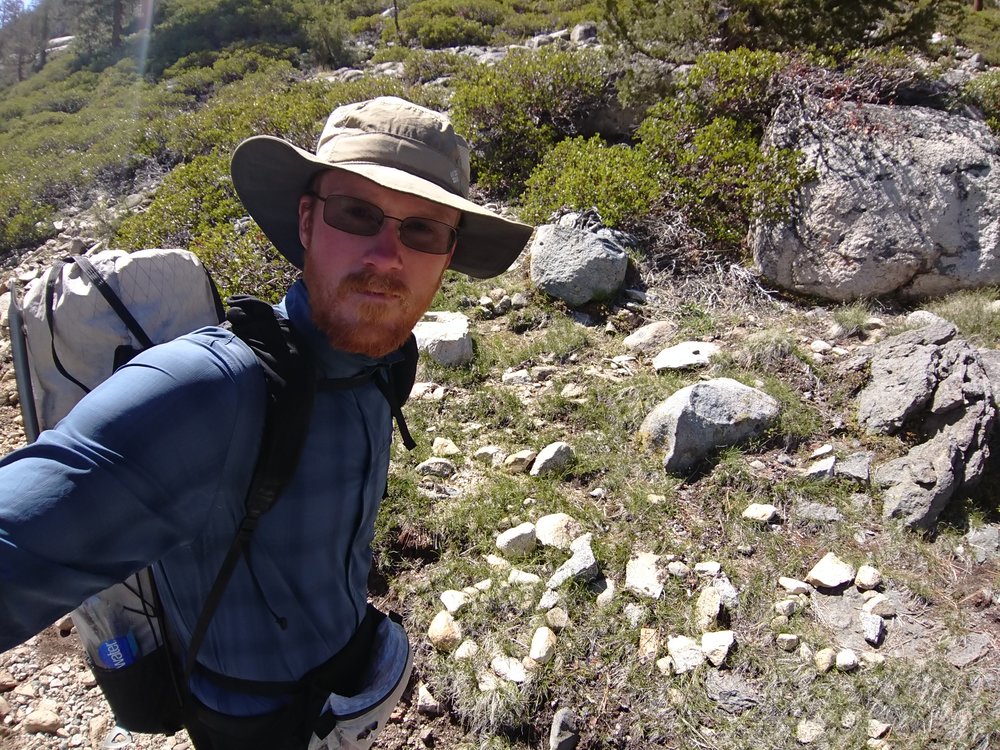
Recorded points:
74,334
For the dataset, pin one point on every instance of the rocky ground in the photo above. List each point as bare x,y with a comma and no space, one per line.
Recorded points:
49,700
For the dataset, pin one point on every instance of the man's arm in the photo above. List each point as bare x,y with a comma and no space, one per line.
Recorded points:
128,475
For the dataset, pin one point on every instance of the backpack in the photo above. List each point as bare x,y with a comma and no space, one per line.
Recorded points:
85,317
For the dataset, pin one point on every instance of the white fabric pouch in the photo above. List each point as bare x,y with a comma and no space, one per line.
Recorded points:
353,722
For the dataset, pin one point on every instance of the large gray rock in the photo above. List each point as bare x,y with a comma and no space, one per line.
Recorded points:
906,199
576,265
699,419
935,384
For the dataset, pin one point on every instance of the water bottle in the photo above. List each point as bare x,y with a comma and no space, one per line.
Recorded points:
104,630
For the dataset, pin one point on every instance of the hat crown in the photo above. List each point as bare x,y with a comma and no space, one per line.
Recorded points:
395,133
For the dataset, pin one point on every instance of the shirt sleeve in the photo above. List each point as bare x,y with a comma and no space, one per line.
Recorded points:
127,476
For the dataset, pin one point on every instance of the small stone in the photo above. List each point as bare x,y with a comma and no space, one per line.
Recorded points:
467,649
825,659
509,668
518,541
444,447
497,563
686,653
873,628
491,454
454,600
877,729
823,450
427,704
520,462
635,614
716,646
830,572
761,513
547,601
557,619
649,644
847,660
822,469
607,587
552,458
794,586
563,732
518,577
709,569
786,607
787,641
543,646
42,721
880,605
445,634
665,665
868,578
809,731
678,569
557,530
708,608
642,576
516,377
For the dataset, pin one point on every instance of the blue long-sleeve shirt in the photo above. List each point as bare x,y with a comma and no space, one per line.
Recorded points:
155,464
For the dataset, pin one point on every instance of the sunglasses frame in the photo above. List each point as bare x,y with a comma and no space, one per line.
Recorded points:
400,228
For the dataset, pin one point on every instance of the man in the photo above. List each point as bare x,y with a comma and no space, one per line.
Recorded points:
154,464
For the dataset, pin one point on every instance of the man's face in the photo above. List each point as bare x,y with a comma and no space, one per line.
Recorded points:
367,293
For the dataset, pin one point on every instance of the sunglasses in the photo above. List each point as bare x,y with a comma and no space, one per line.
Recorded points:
355,216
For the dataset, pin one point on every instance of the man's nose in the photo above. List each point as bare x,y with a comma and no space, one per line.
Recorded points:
386,249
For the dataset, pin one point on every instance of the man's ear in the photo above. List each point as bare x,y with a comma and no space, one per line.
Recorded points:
306,203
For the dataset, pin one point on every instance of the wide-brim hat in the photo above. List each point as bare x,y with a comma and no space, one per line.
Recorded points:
394,143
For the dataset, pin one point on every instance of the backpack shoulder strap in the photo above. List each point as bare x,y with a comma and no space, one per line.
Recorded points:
290,389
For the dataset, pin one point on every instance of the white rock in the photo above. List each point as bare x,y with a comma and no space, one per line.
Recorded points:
716,645
846,660
787,641
607,596
665,665
436,467
42,720
518,541
543,646
642,576
454,600
794,586
516,377
709,568
872,628
552,458
708,608
445,634
684,355
678,569
509,668
822,469
557,530
520,461
427,704
547,601
761,512
522,578
824,659
786,607
809,731
868,578
823,450
557,619
497,563
445,338
880,605
830,572
491,454
444,447
686,653
467,649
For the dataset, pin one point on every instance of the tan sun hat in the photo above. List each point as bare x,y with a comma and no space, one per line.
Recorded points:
390,141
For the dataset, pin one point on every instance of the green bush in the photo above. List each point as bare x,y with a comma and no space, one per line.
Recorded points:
734,84
620,182
435,24
716,173
984,92
517,110
979,31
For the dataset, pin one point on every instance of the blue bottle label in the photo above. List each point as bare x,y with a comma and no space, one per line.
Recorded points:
116,653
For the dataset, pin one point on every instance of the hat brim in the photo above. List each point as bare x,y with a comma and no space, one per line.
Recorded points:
270,175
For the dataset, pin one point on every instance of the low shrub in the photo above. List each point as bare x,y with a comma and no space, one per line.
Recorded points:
620,182
517,110
984,92
435,24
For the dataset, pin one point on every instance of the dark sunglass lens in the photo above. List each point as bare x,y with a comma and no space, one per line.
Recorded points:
353,215
426,235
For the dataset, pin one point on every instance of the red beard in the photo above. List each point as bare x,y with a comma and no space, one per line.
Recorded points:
373,328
